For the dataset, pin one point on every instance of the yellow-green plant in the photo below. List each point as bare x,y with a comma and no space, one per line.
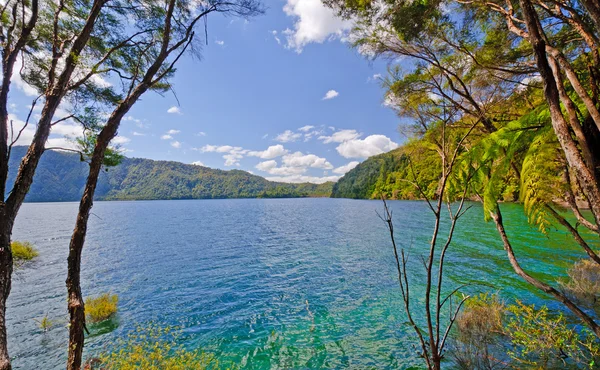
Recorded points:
479,332
23,251
583,281
155,348
543,340
44,323
101,308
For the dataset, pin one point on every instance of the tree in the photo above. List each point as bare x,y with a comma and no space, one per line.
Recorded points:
18,18
68,40
168,32
433,338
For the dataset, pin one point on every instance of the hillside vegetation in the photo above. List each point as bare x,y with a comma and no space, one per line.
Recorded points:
61,177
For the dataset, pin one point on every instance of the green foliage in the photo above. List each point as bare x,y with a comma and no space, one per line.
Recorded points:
61,177
87,143
101,308
155,348
393,175
540,178
542,339
23,251
44,323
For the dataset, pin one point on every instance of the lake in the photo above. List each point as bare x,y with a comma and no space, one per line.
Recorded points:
266,283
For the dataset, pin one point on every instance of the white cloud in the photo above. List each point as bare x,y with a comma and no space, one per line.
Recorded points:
270,153
314,22
232,156
265,136
330,95
135,133
22,85
120,140
367,147
306,128
340,136
298,159
166,137
26,135
288,136
67,129
219,149
198,163
174,110
201,133
220,42
138,122
375,77
345,168
274,33
294,164
303,178
311,134
266,165
173,132
176,144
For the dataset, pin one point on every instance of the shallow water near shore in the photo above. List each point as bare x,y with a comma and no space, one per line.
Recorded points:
263,283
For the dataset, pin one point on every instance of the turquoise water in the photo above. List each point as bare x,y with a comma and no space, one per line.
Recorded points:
266,283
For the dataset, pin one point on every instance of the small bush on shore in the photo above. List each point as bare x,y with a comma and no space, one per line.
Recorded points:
23,251
101,308
154,348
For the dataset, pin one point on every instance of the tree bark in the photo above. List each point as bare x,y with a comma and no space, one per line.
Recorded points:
585,177
76,304
593,8
24,178
6,268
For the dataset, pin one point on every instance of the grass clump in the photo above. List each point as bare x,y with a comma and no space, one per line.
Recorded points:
101,308
479,332
23,251
583,281
154,348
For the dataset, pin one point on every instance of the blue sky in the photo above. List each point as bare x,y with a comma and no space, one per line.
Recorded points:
281,95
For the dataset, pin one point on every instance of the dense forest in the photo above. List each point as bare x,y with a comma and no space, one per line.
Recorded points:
61,177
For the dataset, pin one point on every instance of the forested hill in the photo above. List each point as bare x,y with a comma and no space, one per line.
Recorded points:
361,182
61,176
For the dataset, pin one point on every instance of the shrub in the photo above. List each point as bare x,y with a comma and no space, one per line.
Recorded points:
154,348
541,339
23,251
44,323
478,332
584,281
101,308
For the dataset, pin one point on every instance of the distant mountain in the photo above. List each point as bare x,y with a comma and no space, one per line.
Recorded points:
61,176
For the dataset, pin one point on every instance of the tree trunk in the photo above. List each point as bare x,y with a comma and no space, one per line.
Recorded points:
29,165
6,268
593,8
585,176
76,304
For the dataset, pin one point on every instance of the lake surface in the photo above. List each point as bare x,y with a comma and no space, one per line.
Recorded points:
266,283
